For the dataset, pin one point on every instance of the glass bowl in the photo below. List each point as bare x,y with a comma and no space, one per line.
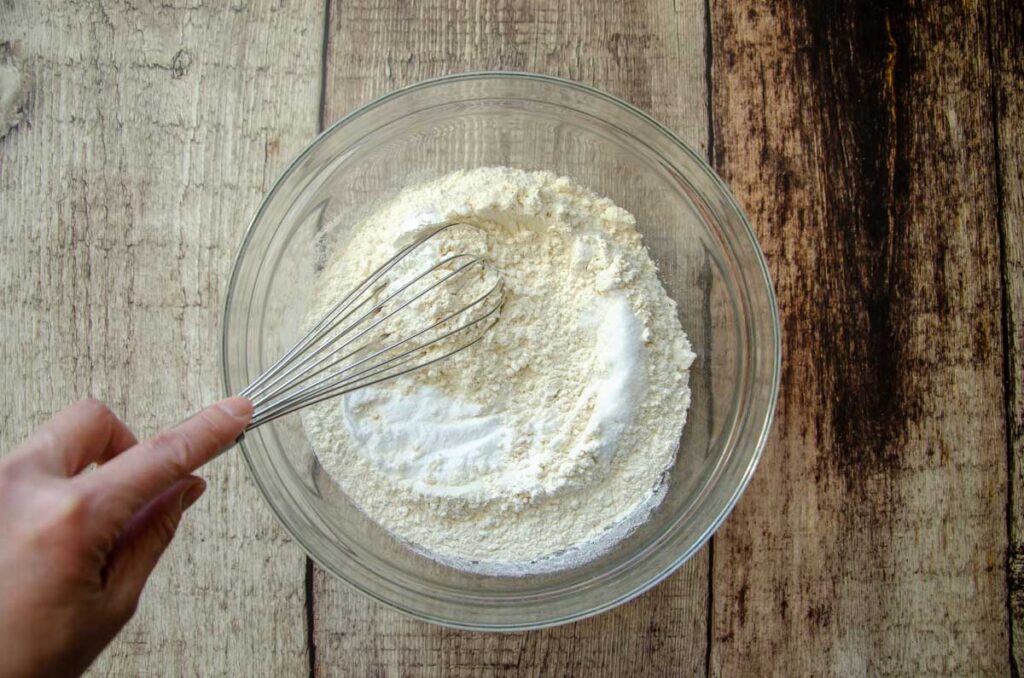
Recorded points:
709,261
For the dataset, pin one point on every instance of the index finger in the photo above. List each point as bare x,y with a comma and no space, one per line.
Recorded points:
86,432
138,475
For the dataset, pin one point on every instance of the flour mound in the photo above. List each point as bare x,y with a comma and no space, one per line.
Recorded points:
549,439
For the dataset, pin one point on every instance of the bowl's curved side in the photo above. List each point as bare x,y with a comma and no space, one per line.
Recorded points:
241,350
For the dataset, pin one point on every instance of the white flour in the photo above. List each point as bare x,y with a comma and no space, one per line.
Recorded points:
548,440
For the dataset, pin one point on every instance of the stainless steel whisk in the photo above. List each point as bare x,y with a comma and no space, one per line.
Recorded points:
356,343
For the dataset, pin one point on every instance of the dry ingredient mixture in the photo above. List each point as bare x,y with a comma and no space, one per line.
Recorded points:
547,441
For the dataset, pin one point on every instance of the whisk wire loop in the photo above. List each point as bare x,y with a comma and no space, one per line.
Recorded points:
339,308
369,336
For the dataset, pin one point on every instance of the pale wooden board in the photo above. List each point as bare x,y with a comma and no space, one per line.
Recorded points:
1008,42
872,539
874,554
651,54
154,130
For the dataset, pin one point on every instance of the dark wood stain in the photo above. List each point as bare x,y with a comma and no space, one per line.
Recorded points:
857,136
1007,53
855,69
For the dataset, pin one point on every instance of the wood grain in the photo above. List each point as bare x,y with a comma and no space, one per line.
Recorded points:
871,540
154,130
879,150
1007,28
651,54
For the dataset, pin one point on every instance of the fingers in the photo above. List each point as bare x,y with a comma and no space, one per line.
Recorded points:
75,437
145,539
133,478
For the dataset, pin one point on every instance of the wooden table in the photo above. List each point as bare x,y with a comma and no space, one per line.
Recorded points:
879,154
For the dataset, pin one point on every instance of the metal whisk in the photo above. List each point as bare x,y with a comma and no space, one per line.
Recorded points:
360,342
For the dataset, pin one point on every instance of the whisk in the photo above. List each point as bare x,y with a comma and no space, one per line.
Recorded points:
366,337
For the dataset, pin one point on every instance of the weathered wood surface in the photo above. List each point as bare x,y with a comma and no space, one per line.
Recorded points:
1008,73
872,540
154,130
651,54
878,152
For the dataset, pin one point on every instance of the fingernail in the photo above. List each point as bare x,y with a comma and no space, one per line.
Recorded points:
194,491
237,407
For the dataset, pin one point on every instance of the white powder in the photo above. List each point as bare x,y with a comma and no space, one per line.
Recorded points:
548,440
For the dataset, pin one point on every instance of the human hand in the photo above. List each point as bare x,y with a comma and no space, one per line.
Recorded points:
77,548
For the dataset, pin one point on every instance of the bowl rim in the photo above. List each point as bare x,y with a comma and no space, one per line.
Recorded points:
765,276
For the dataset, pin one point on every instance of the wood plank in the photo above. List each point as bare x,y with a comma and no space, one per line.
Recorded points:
1008,42
651,54
154,130
871,541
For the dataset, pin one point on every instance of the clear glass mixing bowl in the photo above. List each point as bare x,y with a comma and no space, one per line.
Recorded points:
709,262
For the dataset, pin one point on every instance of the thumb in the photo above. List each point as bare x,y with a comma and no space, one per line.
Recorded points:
146,537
